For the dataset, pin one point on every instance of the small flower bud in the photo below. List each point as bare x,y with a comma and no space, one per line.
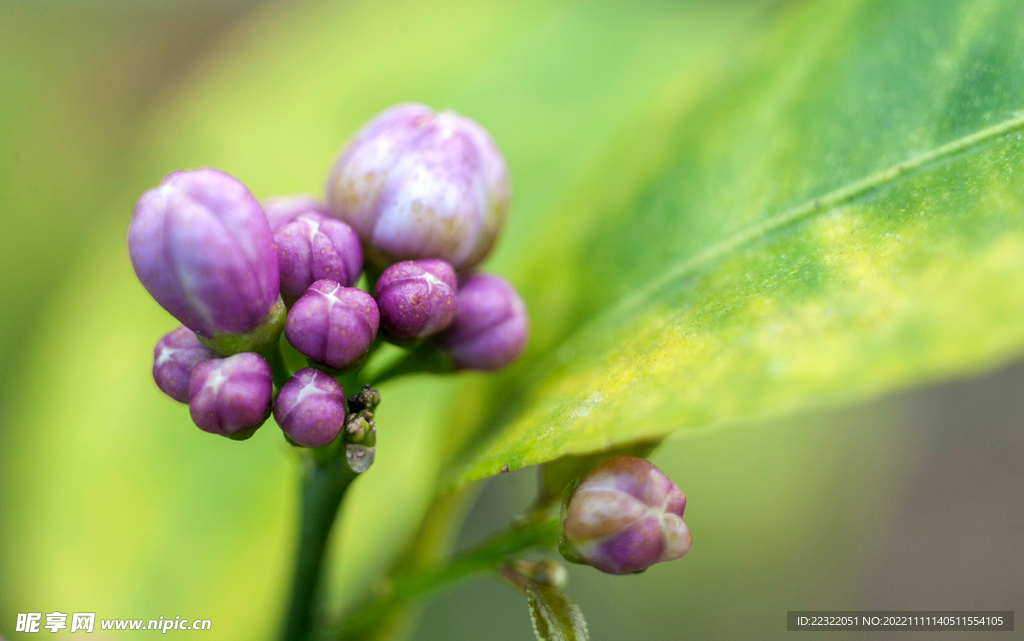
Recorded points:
331,324
310,408
202,247
416,298
231,396
490,326
281,210
174,357
313,247
361,428
365,399
624,517
418,184
547,572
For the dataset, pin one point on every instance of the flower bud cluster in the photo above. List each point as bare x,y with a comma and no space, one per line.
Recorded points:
421,195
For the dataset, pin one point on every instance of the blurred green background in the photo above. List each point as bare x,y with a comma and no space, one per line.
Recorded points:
110,501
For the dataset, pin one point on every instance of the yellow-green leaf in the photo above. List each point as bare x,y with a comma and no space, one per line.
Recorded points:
842,216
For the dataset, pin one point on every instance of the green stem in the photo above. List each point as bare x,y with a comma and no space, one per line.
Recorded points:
485,558
514,577
423,358
349,384
323,487
272,354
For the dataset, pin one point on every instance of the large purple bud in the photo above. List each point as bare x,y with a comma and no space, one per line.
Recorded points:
202,247
490,326
231,396
331,324
174,358
310,408
624,517
419,184
313,247
416,298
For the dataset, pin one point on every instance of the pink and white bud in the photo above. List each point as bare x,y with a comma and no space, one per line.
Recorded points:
174,358
231,396
332,324
624,517
202,247
312,247
418,184
310,408
416,298
490,326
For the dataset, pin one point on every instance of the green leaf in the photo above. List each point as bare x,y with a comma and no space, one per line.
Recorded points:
555,476
555,617
842,216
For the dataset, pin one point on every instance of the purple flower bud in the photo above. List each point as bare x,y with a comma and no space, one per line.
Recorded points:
203,248
281,210
416,298
174,357
418,184
310,408
231,396
331,324
624,517
313,247
490,326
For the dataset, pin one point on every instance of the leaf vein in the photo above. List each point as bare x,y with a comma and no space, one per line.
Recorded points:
821,205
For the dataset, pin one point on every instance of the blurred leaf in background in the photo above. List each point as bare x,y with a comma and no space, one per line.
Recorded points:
76,83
